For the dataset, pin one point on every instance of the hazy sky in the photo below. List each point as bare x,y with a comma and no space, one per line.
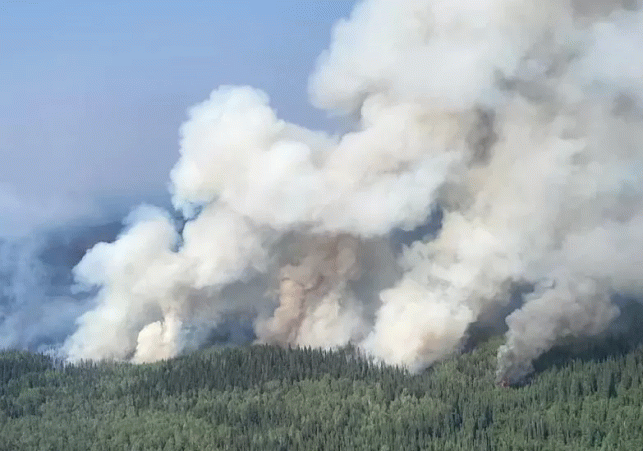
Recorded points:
92,92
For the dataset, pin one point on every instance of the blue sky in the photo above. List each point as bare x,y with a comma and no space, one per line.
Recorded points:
93,92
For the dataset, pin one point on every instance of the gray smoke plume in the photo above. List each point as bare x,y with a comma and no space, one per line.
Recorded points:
520,121
38,307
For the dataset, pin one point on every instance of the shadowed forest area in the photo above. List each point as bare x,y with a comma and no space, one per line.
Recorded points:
261,397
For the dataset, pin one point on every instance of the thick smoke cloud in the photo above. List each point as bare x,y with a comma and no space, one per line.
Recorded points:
520,122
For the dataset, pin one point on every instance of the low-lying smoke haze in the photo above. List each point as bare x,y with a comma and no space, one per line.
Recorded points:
498,145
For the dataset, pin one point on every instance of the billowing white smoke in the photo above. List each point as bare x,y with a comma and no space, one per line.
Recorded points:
521,120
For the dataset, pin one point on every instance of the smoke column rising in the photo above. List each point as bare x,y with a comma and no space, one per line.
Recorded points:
522,121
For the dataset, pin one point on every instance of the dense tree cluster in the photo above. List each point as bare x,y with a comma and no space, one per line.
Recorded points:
266,398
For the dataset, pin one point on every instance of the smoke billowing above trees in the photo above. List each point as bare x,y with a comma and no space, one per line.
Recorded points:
521,122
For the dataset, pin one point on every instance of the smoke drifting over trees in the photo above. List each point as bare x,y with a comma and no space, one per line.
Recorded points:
521,122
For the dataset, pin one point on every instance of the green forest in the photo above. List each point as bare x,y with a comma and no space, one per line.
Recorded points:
268,398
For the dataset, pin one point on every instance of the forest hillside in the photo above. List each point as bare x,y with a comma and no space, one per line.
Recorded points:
269,398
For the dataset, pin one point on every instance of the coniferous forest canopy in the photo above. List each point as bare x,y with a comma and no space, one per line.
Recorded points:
269,398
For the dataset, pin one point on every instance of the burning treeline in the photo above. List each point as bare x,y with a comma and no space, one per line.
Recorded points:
521,121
